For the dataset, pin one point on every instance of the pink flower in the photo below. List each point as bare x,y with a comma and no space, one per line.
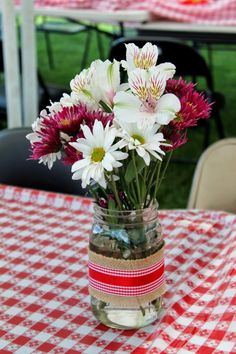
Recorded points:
194,105
48,141
103,203
174,137
71,154
69,119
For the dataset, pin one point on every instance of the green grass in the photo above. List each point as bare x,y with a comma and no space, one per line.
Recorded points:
174,192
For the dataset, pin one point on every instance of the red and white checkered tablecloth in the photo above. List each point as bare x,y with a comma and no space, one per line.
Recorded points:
212,12
44,301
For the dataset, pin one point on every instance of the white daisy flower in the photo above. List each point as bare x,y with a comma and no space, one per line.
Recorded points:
146,141
99,154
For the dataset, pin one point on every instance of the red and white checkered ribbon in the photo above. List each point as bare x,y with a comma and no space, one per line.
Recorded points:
126,282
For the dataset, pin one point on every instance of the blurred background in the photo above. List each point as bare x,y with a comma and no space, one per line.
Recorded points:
65,47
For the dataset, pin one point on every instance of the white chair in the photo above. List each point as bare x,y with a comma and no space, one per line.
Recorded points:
214,182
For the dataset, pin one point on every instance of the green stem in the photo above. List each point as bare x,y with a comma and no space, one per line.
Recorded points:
150,183
116,195
134,196
163,173
157,179
91,191
137,179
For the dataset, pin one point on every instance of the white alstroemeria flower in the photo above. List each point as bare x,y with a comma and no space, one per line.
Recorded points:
166,69
142,58
146,141
82,87
146,104
106,80
99,154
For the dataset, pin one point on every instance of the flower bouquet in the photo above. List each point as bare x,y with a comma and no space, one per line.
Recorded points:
118,138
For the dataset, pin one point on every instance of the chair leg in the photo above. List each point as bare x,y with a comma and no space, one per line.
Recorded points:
86,50
49,50
206,140
100,46
219,125
46,95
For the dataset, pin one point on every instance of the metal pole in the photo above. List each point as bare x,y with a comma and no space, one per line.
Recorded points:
29,66
11,64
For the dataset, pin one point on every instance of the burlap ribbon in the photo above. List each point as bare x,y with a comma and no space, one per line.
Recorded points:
127,283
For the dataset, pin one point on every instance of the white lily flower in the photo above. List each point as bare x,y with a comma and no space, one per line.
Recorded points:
166,69
147,85
146,104
99,154
128,108
146,141
142,58
167,107
106,80
83,91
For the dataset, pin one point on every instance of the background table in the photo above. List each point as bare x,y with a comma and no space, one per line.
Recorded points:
44,301
211,34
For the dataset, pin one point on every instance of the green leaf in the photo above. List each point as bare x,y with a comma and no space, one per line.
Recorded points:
140,163
111,207
143,188
105,107
130,171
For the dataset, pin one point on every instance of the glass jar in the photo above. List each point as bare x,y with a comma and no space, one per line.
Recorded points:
126,267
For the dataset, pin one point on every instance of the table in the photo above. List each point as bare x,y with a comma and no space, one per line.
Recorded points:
211,34
43,283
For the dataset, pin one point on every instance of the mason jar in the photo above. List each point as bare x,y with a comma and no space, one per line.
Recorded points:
126,267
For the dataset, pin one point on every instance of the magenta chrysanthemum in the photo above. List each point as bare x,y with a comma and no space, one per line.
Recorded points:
174,137
48,140
71,154
194,105
69,119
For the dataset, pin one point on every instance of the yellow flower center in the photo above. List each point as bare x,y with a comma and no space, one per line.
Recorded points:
139,138
98,154
142,92
65,122
143,61
178,117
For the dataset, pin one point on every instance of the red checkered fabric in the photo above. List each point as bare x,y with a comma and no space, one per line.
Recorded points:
44,301
215,12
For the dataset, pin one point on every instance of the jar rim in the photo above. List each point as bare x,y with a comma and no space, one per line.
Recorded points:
153,206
